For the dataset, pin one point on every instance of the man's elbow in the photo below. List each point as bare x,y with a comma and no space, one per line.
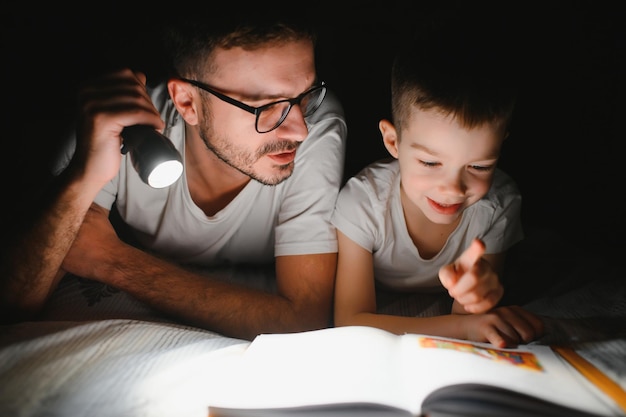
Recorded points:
313,318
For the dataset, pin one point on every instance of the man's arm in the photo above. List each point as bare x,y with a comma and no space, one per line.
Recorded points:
303,301
40,238
36,247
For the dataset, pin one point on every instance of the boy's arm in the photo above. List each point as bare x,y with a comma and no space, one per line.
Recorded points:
355,297
355,305
355,291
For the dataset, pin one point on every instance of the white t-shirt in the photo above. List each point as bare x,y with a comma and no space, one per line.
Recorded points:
369,212
292,218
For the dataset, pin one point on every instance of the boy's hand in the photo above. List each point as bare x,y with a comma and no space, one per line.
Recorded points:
503,327
471,281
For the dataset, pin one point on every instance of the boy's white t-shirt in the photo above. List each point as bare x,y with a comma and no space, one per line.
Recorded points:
291,218
369,212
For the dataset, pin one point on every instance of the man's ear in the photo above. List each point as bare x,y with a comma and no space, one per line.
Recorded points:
182,94
390,136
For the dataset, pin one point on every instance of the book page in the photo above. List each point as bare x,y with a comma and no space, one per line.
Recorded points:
335,365
530,369
367,365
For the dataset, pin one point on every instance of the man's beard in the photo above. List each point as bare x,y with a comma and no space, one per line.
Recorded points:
242,160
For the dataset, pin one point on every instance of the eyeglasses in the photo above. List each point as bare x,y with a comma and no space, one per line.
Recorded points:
271,115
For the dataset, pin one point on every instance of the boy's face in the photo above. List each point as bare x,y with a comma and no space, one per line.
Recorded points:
445,167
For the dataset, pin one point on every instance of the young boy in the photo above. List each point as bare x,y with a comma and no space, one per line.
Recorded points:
439,214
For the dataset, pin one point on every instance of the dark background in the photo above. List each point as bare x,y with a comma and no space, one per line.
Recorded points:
565,149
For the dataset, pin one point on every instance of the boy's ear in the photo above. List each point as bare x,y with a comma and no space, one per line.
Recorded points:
182,94
390,136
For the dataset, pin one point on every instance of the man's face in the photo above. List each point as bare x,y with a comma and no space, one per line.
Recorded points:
257,77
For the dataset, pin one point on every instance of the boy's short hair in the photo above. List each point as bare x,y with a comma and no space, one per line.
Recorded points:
457,66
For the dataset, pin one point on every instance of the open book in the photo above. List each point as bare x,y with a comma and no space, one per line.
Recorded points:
365,371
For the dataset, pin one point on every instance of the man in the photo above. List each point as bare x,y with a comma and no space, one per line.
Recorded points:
263,143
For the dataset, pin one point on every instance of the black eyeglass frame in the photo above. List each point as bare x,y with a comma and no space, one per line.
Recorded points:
256,111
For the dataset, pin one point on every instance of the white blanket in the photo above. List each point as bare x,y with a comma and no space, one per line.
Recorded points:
108,368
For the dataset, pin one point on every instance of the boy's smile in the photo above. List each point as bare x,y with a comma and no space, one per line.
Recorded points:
445,167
